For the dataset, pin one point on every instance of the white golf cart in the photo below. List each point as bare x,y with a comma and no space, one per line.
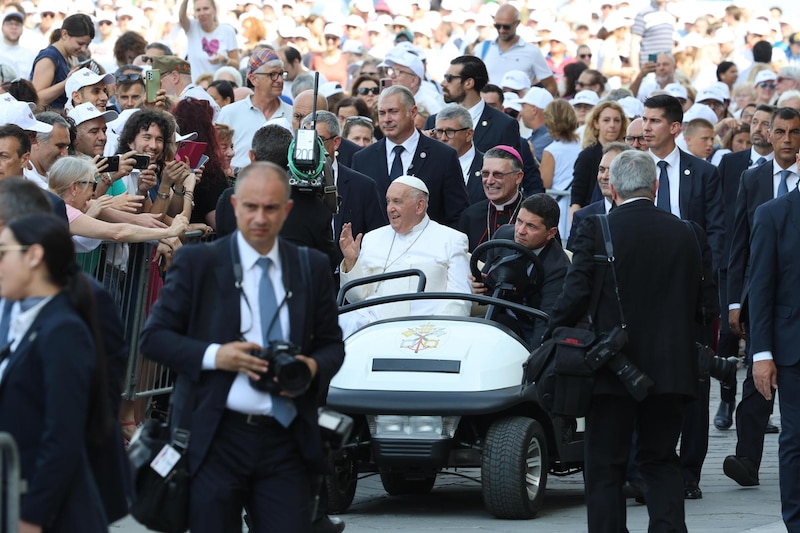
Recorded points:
429,393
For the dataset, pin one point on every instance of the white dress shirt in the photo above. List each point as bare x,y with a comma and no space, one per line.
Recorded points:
407,156
673,160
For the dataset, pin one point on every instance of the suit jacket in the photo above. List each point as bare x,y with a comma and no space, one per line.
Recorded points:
344,155
555,264
656,260
493,128
532,180
731,168
584,177
434,163
44,401
200,305
775,280
475,219
701,201
755,189
474,182
595,208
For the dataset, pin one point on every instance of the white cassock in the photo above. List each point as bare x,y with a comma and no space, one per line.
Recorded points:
440,252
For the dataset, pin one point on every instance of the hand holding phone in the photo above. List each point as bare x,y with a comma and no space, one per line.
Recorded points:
152,82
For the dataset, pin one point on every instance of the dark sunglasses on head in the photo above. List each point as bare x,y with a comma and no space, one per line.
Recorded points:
363,91
355,118
129,77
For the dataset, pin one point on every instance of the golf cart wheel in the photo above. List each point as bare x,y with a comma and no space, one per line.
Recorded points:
341,482
514,468
398,483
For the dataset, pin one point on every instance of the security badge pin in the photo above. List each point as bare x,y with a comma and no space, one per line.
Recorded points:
687,172
423,155
484,123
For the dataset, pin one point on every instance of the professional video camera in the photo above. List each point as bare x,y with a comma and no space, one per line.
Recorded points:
286,373
309,170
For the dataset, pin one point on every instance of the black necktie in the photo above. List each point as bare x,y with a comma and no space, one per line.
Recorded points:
663,188
397,164
5,322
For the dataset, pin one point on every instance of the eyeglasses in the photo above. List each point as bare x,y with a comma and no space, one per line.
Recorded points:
92,183
363,91
450,77
581,84
585,56
129,77
766,85
358,118
391,71
145,58
11,248
449,132
326,139
485,174
274,76
504,26
630,139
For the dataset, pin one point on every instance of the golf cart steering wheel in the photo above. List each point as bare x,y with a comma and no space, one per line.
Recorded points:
507,271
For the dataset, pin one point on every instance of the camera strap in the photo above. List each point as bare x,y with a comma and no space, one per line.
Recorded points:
605,260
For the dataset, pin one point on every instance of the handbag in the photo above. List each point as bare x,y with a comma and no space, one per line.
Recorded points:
563,381
161,473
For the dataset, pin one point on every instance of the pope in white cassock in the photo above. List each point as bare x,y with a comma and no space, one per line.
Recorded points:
411,240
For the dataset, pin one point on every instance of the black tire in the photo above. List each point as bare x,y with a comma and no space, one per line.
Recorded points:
341,482
398,482
514,468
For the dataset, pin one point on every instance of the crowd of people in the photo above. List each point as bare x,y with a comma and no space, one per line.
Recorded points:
445,125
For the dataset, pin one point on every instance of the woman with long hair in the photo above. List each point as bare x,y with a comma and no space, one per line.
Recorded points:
366,88
605,124
211,45
54,64
559,156
53,398
197,115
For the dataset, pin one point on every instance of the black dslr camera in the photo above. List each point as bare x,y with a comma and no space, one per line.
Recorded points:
285,373
607,352
715,366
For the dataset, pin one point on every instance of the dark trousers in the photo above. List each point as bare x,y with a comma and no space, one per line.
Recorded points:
789,454
610,424
254,466
752,416
694,436
728,343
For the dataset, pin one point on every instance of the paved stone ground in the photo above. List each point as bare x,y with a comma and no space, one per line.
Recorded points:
455,502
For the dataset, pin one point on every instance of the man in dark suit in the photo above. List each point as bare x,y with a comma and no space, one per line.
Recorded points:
462,84
731,168
758,185
404,151
688,188
360,203
454,128
656,260
220,304
600,207
500,176
536,228
774,296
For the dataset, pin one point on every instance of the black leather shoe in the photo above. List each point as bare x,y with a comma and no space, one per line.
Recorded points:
633,489
771,428
741,469
692,492
724,417
327,524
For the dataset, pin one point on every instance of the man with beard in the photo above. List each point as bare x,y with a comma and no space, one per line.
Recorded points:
663,73
462,85
731,168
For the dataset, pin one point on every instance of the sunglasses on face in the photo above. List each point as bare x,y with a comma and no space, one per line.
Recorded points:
766,85
363,91
146,59
92,183
505,27
450,77
585,56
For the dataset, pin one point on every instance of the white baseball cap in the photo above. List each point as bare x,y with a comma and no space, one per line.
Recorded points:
585,97
700,111
82,113
330,88
633,107
764,75
12,111
406,59
536,96
709,93
83,78
677,90
516,80
510,102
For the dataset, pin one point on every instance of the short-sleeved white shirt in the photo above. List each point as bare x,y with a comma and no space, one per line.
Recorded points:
202,46
522,56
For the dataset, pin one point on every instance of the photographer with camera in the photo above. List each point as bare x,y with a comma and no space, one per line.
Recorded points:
656,271
238,320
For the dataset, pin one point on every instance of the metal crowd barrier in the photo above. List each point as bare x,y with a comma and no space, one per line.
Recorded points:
129,273
10,484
